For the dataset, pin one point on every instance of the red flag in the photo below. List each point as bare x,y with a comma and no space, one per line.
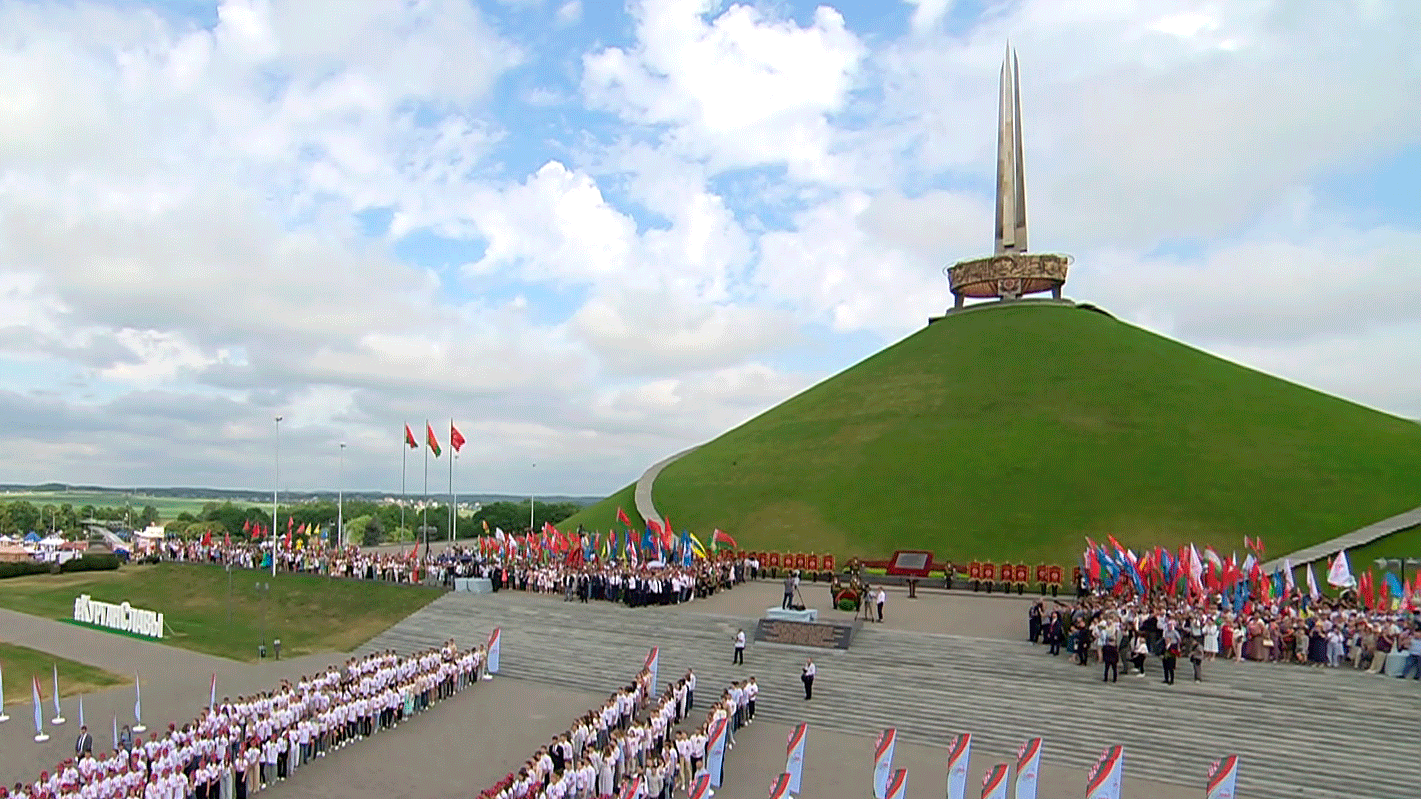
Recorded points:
247,526
456,439
622,517
207,538
409,438
722,537
431,439
226,539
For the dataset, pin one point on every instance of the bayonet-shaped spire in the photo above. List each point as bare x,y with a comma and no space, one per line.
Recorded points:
1011,175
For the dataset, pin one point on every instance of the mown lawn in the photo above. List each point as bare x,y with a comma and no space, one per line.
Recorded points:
308,613
21,664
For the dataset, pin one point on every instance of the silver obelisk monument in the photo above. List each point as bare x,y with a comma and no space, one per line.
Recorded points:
1011,173
1010,272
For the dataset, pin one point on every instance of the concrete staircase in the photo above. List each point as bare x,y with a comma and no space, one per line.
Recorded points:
1356,538
645,506
1300,732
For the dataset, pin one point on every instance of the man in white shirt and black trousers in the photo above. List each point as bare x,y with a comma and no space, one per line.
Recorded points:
739,656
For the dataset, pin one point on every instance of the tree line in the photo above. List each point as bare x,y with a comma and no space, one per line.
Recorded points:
367,522
22,516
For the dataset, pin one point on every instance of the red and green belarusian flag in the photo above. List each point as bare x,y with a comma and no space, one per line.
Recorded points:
719,538
432,440
410,439
456,439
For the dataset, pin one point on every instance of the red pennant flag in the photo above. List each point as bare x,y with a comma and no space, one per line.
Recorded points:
247,526
409,438
456,439
622,517
207,538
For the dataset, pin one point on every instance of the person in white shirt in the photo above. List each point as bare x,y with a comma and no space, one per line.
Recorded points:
739,656
880,598
807,677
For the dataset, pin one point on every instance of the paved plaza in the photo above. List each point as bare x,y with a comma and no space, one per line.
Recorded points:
1296,730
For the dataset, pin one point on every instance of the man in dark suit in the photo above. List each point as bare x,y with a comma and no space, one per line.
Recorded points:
84,745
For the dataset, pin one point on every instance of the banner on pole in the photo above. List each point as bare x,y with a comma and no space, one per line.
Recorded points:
1103,782
653,662
715,752
1223,776
883,761
898,784
495,646
779,789
700,786
1028,769
959,757
994,784
632,789
794,756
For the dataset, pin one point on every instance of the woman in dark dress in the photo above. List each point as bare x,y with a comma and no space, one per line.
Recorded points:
1317,646
1033,618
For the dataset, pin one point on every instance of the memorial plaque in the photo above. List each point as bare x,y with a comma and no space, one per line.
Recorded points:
911,563
798,633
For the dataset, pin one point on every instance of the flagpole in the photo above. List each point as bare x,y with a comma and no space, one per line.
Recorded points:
531,497
452,454
404,486
424,525
275,488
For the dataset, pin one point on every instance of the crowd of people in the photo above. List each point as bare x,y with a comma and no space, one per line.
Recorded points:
631,743
1127,630
241,746
636,585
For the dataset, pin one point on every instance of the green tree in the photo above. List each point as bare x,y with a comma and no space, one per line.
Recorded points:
373,533
148,516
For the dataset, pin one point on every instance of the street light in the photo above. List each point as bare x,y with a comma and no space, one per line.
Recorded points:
275,487
265,590
340,500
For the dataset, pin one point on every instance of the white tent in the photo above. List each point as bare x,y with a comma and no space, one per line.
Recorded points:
52,541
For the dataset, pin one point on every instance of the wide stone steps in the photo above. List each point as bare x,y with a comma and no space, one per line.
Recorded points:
1290,726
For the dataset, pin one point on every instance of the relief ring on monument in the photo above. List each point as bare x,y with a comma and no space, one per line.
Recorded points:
988,277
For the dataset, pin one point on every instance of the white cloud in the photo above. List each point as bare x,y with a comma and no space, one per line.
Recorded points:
741,90
569,13
641,241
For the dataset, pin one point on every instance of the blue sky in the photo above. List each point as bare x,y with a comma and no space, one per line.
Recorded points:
597,233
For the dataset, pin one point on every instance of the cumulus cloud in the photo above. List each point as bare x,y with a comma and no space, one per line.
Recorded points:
357,214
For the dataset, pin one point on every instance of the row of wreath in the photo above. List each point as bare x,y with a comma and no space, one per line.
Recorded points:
976,571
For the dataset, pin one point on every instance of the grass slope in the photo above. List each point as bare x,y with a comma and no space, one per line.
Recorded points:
603,515
1014,432
21,664
308,613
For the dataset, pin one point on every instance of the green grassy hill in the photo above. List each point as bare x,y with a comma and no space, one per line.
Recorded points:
1015,432
603,515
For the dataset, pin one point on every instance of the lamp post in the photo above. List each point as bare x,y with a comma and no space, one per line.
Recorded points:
275,488
340,500
265,590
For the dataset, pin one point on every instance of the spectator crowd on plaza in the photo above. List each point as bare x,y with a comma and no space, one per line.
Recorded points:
242,746
635,584
1127,629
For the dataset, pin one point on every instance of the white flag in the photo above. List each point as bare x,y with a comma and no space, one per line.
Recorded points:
138,700
1313,593
1340,574
58,714
1288,575
39,715
81,710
